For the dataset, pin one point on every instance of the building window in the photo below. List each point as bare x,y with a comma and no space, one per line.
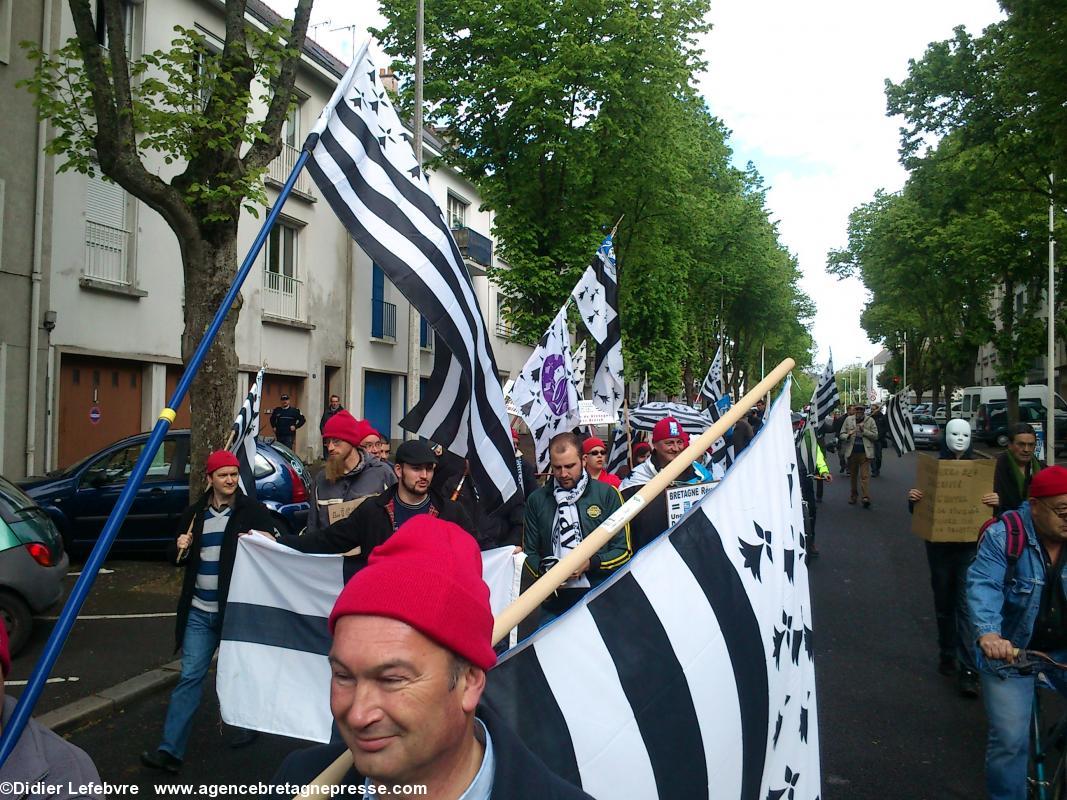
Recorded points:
107,232
457,211
5,30
426,334
504,328
382,313
282,287
291,133
128,22
279,169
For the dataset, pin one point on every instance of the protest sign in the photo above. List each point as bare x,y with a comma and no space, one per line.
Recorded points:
951,509
681,498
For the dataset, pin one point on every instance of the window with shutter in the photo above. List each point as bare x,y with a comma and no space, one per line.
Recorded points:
106,231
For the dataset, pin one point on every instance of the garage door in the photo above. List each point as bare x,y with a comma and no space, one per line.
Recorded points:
99,402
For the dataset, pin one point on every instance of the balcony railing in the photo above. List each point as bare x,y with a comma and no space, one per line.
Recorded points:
474,246
504,329
106,250
382,320
426,334
283,296
279,169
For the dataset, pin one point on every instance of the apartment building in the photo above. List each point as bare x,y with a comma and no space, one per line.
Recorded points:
317,314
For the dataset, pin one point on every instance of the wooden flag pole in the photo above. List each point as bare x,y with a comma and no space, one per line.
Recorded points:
529,600
629,443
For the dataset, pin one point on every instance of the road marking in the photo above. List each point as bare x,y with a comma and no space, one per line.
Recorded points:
118,616
101,572
72,679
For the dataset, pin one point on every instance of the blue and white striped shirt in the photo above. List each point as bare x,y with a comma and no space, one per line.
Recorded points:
206,591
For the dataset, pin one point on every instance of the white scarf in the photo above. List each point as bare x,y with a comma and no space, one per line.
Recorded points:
566,528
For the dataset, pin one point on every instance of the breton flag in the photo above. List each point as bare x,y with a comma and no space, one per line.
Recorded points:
272,674
578,359
243,437
722,454
689,673
713,387
900,425
364,166
825,397
597,298
642,398
618,451
693,420
544,391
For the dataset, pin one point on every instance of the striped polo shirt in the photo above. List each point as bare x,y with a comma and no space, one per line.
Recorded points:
206,591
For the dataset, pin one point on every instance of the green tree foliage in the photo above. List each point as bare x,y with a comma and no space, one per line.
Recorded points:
193,107
570,116
957,258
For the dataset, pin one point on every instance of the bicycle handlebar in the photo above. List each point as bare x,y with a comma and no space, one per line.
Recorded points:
1028,662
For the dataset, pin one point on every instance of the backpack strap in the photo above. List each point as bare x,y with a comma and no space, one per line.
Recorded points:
1014,542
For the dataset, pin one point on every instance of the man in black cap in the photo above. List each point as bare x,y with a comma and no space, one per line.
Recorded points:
378,516
285,419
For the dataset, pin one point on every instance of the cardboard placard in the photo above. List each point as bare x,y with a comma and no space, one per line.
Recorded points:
339,511
681,498
951,509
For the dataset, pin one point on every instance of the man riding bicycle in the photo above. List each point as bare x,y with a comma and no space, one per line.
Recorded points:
1018,603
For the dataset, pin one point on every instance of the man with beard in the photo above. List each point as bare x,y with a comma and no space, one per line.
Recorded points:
377,518
668,440
350,472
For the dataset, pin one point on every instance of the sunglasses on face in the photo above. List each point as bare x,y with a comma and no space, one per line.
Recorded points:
598,452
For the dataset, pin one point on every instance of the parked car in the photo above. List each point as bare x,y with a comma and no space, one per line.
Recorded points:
33,563
925,430
942,416
921,408
80,497
991,422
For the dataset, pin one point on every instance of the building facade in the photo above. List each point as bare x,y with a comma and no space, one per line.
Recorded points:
317,314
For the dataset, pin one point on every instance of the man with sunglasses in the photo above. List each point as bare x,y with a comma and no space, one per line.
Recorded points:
1014,605
594,454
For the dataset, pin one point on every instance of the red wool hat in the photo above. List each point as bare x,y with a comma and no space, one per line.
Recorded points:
667,428
641,447
1049,482
5,650
428,575
590,443
220,459
347,428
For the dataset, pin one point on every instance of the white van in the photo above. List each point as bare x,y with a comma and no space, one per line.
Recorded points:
974,396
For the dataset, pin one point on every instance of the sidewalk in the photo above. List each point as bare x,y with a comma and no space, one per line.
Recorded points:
101,704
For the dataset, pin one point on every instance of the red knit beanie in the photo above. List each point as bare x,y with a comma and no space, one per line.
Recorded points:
1049,482
220,459
347,428
667,428
592,442
5,650
641,447
429,575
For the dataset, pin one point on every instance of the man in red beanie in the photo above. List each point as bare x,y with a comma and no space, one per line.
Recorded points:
668,440
351,472
594,454
1019,603
41,757
207,546
411,646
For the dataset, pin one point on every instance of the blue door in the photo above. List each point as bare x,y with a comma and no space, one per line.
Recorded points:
378,401
377,302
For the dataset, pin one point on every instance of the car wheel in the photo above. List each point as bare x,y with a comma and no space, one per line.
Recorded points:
15,615
1002,440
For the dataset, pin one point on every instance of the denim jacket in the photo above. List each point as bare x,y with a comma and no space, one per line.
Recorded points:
1011,610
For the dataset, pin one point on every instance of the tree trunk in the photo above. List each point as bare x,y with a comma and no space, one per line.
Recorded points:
210,267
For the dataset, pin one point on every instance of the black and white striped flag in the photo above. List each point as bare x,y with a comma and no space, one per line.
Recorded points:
243,437
825,397
900,425
693,420
689,673
618,451
364,166
713,387
597,298
578,359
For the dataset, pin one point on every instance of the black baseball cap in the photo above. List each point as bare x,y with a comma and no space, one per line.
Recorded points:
285,397
415,452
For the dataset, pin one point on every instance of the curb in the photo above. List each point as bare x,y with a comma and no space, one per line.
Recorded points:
107,701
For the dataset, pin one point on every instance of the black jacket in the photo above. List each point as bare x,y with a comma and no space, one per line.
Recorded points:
882,421
520,775
329,412
247,515
283,418
367,527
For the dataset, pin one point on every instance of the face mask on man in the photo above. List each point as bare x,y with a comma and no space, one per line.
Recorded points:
958,435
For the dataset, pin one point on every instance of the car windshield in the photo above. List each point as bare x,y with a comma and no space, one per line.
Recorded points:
923,419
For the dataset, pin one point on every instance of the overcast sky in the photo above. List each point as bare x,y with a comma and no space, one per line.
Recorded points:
801,85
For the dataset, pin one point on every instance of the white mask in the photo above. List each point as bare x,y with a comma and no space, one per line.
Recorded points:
957,435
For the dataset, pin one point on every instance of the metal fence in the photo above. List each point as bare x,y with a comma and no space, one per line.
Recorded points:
283,296
106,253
382,319
279,169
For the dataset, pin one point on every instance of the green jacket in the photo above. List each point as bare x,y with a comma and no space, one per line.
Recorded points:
599,502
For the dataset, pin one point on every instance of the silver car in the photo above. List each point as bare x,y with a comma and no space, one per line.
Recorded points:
925,430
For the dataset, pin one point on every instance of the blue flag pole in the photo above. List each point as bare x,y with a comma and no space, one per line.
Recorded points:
28,699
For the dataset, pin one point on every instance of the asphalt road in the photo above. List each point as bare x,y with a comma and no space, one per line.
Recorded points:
890,725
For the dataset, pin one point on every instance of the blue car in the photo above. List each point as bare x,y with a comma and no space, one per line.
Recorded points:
80,497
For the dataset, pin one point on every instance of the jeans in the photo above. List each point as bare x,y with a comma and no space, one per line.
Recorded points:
1008,705
859,467
948,578
877,468
202,633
